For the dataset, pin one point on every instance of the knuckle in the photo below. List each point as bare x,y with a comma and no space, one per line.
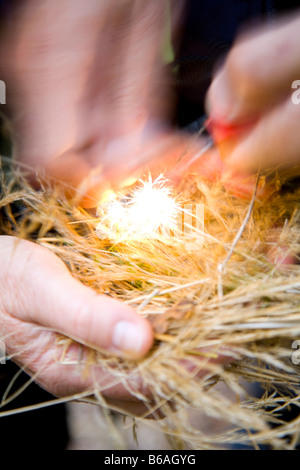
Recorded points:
87,327
82,327
241,67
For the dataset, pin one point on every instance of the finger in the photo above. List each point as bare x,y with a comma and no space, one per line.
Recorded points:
133,88
136,93
258,72
39,289
210,166
273,141
62,367
127,83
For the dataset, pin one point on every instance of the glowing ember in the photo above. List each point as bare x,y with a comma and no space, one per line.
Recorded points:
147,213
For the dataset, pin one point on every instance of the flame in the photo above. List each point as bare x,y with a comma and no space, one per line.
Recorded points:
145,214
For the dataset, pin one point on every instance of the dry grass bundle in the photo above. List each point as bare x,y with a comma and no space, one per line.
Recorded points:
224,299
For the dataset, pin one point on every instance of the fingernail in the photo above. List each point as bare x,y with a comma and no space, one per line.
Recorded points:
128,338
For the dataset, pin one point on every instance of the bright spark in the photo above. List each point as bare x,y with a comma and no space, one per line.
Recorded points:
147,213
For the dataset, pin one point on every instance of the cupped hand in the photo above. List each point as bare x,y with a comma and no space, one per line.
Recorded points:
40,299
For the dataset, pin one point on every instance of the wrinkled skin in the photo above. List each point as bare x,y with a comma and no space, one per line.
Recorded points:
42,298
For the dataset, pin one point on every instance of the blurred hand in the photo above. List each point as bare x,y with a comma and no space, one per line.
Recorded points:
86,89
88,98
251,99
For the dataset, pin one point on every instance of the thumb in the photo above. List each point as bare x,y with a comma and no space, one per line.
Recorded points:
38,288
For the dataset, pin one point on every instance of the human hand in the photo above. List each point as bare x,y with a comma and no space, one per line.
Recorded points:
251,97
86,89
39,298
40,301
